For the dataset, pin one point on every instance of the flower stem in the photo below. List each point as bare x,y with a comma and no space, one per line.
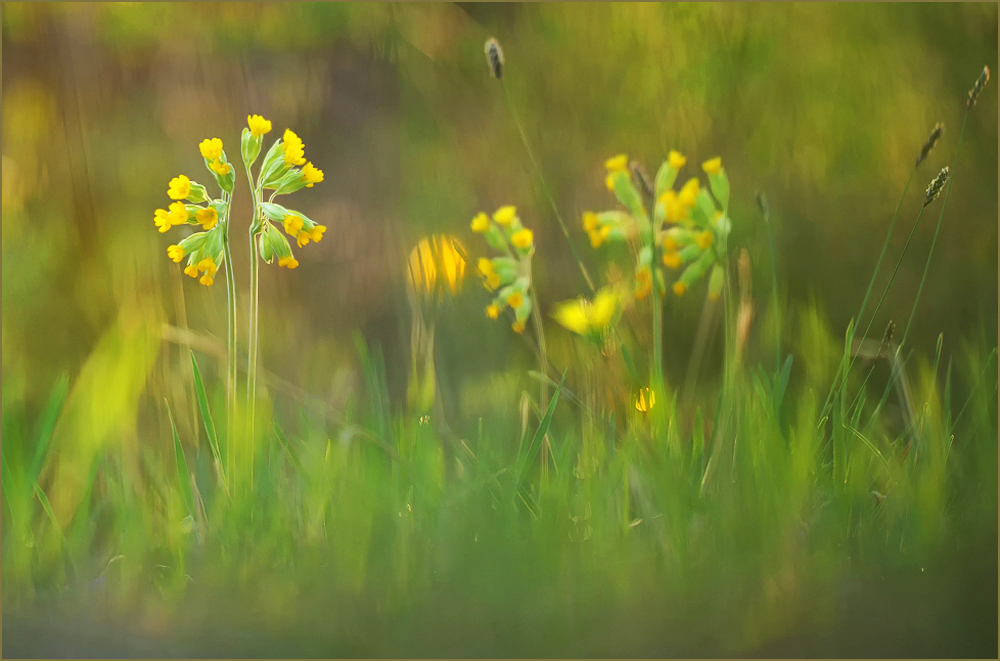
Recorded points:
252,359
545,188
231,313
542,352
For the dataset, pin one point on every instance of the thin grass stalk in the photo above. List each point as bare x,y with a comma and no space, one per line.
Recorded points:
871,283
944,205
542,352
253,339
766,212
545,188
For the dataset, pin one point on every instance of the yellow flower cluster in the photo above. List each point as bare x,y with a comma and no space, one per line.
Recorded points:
437,265
586,318
204,250
510,274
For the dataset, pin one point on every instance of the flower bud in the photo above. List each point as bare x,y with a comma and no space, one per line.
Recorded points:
250,147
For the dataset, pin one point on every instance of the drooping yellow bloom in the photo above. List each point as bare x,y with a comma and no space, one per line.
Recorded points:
162,220
609,182
643,282
670,243
713,166
175,252
191,270
518,326
208,217
504,215
480,223
208,266
680,288
180,187
674,210
258,125
293,225
619,162
211,148
220,167
676,159
302,238
312,174
317,233
491,279
705,240
522,239
671,260
207,280
583,317
178,214
599,236
590,221
493,311
288,262
573,315
515,300
295,151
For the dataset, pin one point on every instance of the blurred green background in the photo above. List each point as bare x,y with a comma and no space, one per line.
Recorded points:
822,107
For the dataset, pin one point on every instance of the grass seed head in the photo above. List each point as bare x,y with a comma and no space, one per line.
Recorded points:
931,141
494,57
984,78
934,188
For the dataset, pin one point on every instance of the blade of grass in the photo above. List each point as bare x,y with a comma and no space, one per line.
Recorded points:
48,424
182,468
206,417
536,439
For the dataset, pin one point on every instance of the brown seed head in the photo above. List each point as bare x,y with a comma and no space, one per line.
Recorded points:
931,141
494,57
984,78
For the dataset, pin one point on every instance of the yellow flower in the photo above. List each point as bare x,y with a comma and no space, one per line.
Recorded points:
191,270
523,239
180,187
609,182
208,266
480,223
619,162
674,211
670,243
573,315
302,238
492,281
679,288
485,266
288,262
293,225
713,166
317,233
603,308
689,193
493,311
705,240
211,148
208,217
515,300
219,167
590,221
504,215
671,260
518,326
599,236
207,280
312,174
162,219
258,125
295,152
675,159
178,214
175,253
643,282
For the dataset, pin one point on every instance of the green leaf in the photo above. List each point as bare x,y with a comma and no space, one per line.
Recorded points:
540,432
183,479
287,447
665,178
48,424
206,416
44,500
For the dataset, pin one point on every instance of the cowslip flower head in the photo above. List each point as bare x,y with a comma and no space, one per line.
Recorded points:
162,220
288,262
211,148
493,311
180,187
617,163
220,167
175,253
258,125
293,225
178,214
676,159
